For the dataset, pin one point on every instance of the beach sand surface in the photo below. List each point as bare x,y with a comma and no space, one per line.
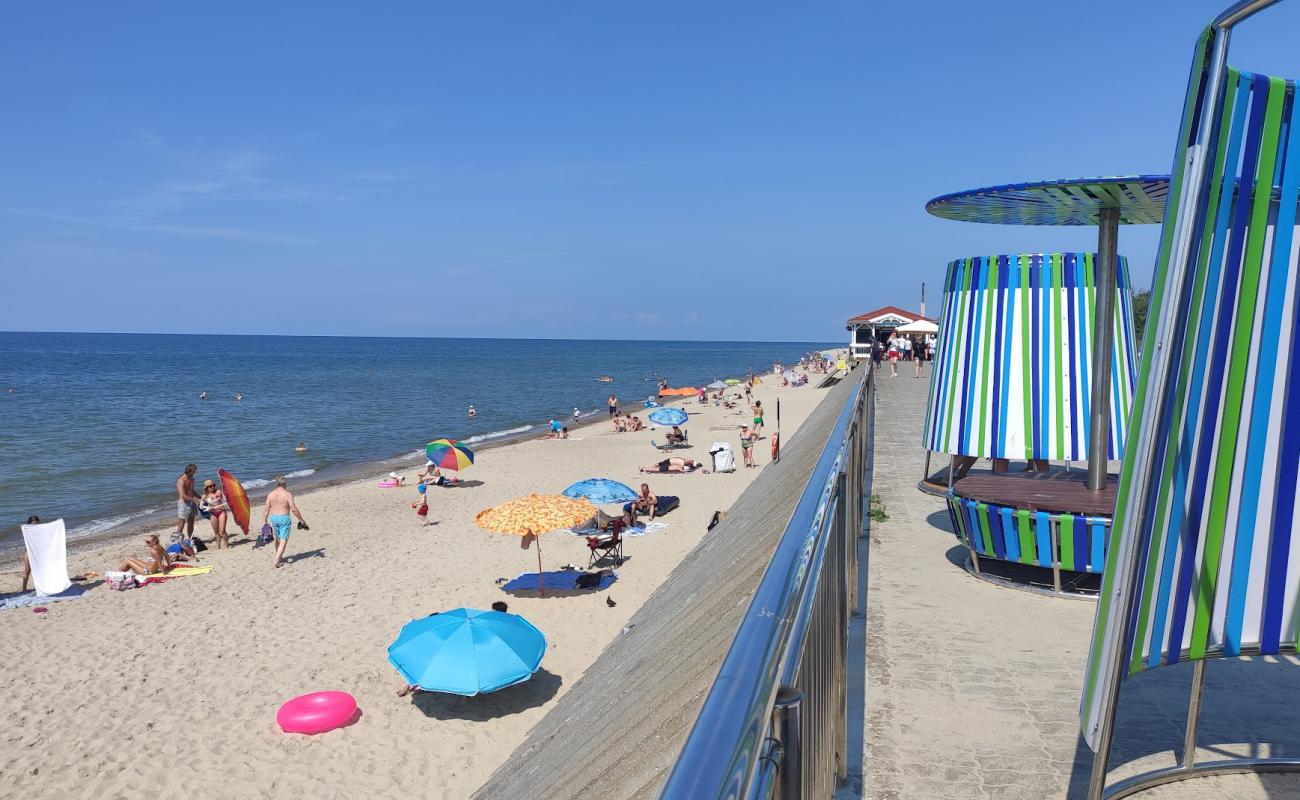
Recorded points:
172,689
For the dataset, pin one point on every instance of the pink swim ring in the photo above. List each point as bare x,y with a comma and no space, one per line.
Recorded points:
316,712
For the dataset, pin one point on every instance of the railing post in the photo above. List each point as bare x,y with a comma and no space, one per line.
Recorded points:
786,724
847,541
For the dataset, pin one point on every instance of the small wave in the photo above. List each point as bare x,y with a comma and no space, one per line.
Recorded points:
302,473
256,483
498,434
108,523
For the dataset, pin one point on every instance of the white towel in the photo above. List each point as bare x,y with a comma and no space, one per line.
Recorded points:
47,549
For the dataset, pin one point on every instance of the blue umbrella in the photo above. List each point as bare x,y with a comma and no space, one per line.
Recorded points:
601,490
668,417
467,651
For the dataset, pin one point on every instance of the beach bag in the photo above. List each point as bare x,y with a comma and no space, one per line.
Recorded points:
119,580
587,580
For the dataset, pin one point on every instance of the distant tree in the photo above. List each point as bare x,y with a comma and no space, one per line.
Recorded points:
1141,300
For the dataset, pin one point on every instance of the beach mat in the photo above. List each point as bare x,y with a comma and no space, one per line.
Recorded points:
27,599
177,572
560,583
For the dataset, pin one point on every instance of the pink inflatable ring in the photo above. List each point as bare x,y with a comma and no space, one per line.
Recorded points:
317,712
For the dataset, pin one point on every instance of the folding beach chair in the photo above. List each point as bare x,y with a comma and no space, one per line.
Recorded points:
607,547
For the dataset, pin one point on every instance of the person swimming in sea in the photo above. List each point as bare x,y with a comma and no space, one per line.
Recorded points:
471,413
239,396
301,448
202,395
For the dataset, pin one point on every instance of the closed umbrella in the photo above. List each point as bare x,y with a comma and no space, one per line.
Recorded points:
467,651
717,385
668,417
535,514
236,498
601,490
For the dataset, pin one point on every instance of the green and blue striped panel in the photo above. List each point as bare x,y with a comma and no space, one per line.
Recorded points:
1013,369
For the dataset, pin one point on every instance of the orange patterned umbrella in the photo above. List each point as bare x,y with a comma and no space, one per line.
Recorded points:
535,514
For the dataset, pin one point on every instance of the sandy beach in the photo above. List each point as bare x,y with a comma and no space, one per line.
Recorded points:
173,688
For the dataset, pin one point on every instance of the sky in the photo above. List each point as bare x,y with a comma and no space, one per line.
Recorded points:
724,170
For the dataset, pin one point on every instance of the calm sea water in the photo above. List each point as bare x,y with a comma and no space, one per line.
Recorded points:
99,426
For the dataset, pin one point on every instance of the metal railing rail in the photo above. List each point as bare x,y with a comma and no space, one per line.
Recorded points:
775,722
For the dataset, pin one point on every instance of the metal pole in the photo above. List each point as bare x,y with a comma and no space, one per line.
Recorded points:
786,724
1193,715
1160,361
1103,337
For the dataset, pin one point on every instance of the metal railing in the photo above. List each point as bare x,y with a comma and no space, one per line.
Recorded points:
775,722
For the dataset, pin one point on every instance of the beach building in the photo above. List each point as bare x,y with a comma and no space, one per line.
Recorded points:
876,326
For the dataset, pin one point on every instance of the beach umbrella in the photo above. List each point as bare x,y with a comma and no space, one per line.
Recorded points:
732,381
532,515
668,416
236,498
716,385
467,651
449,454
601,490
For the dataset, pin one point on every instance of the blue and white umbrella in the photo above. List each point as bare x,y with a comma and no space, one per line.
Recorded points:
601,490
467,651
668,416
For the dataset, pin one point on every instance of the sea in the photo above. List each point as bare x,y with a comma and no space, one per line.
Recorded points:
95,428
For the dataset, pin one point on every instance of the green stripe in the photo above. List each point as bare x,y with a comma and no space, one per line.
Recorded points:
982,510
1065,534
1028,552
1106,598
1027,390
1184,375
1242,327
986,371
1057,294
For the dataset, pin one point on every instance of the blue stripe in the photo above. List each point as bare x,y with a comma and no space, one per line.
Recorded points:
1010,534
1098,530
1086,350
1043,529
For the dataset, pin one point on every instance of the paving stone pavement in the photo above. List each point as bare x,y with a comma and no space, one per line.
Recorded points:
974,688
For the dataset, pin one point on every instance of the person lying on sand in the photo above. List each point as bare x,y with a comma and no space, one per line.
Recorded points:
674,464
158,560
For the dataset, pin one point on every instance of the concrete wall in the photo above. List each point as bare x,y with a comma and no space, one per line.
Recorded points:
617,733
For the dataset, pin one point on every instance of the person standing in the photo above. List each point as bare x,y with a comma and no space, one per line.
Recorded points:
905,345
758,419
214,502
279,505
747,444
187,502
893,356
613,405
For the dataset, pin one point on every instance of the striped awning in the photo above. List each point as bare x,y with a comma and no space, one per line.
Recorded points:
1012,374
1205,554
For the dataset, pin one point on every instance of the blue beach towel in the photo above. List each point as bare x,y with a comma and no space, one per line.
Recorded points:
558,581
26,599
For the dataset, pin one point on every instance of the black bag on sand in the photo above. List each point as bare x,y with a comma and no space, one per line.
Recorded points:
717,517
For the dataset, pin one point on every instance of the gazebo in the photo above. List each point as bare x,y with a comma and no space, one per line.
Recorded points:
1035,362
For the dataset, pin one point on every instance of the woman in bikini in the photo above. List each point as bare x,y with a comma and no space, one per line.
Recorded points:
747,438
214,502
158,560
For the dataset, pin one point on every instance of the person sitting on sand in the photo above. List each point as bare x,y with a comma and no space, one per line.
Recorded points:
432,476
564,432
634,423
500,605
158,560
673,464
645,501
675,436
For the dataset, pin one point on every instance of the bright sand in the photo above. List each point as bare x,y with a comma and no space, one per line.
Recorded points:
172,689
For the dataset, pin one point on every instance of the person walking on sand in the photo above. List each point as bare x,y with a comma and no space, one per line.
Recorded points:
758,419
421,506
214,502
279,505
187,502
613,405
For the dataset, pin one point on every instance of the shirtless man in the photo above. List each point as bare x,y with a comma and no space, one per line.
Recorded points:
279,506
645,501
187,502
673,464
613,405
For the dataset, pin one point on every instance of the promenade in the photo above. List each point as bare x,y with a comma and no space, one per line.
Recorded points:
974,688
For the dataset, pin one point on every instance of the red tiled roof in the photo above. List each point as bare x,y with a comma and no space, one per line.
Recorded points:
887,310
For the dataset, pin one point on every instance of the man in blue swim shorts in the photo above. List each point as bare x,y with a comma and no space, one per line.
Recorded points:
280,506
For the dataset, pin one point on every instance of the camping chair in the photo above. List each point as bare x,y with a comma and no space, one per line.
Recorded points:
607,547
667,445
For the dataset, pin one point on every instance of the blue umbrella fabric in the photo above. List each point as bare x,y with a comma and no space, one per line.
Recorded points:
467,651
601,490
668,417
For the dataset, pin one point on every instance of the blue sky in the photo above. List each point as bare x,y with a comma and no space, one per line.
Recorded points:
671,170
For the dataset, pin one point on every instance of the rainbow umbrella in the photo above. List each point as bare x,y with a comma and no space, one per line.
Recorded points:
236,498
449,454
